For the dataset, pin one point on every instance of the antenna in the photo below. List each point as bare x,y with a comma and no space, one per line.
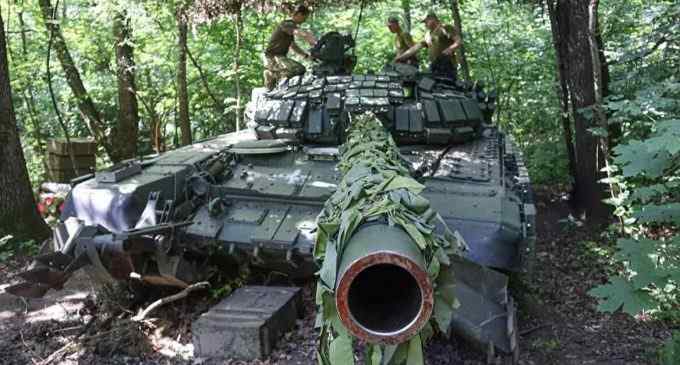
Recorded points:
356,33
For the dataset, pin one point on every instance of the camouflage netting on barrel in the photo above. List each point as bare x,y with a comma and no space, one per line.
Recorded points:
380,247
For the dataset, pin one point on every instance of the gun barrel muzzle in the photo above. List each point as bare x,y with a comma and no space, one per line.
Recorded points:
384,294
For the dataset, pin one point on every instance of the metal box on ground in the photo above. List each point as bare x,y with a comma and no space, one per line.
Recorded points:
247,324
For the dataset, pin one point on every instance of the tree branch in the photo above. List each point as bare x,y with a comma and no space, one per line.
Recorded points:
641,55
183,294
218,104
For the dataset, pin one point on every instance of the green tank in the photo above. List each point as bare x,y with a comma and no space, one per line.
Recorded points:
267,196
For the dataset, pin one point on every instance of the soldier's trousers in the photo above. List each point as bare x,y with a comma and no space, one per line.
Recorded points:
444,66
277,67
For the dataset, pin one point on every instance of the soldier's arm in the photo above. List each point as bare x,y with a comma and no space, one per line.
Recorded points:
294,46
307,36
410,52
457,41
408,40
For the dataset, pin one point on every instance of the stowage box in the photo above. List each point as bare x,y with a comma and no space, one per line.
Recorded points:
247,324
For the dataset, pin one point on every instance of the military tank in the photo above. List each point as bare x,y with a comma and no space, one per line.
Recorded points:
256,197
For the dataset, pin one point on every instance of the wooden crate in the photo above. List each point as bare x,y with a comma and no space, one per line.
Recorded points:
60,163
65,176
80,146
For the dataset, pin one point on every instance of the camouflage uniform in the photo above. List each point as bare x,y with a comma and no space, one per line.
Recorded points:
277,64
402,42
436,42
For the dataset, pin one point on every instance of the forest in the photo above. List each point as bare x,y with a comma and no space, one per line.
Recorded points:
588,90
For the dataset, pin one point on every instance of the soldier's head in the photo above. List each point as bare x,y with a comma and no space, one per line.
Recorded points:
431,21
393,24
300,14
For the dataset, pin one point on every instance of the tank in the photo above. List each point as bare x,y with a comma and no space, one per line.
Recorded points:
258,196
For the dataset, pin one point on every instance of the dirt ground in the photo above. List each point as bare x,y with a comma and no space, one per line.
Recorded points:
558,320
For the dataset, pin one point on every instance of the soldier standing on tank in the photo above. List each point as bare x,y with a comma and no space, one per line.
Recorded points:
402,41
441,41
277,64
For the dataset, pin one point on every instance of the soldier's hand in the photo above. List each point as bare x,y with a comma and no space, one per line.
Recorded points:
447,52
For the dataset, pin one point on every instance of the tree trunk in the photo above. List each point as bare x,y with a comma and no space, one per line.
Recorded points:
560,56
237,64
613,129
598,111
572,20
182,91
124,135
406,6
86,106
455,10
18,213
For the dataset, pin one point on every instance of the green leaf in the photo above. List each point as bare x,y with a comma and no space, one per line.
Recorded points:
350,220
598,131
659,213
642,257
442,256
446,285
443,312
330,314
395,354
619,293
404,182
433,268
389,352
636,159
666,139
427,332
413,231
357,172
646,193
325,230
415,351
417,203
341,352
323,349
329,267
374,354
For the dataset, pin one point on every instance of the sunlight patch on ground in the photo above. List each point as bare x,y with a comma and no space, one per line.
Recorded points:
56,305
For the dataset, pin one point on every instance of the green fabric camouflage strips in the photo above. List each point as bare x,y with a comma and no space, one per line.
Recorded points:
377,184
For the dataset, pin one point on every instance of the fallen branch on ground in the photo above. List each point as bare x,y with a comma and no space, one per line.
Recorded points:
183,294
532,329
21,334
59,353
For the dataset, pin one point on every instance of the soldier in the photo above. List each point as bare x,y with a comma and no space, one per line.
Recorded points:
277,64
441,40
402,41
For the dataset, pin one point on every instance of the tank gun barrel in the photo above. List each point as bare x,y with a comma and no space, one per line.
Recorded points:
384,293
378,263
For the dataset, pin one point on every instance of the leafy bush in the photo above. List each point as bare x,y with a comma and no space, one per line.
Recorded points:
10,246
669,354
646,177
